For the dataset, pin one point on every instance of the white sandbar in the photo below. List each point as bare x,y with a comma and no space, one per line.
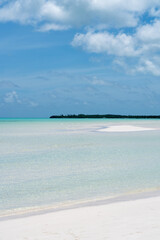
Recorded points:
129,220
125,128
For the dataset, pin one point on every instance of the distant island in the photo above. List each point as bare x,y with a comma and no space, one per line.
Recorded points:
105,116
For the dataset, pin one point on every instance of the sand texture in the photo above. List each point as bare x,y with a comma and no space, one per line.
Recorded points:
128,220
125,128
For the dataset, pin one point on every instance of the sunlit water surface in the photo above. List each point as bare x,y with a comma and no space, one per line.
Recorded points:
46,161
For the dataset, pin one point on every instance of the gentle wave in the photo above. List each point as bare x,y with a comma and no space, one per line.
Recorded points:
36,210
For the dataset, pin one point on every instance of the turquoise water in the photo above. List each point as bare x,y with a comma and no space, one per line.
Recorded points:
47,161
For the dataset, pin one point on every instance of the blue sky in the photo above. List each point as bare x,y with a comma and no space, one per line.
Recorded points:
81,56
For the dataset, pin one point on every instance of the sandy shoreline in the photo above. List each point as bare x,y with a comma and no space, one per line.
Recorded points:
40,210
123,219
136,219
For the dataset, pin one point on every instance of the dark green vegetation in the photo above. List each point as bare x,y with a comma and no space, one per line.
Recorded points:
105,116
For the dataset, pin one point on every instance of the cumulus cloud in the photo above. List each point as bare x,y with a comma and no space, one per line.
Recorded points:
120,44
108,19
149,32
143,44
32,12
111,13
146,37
150,66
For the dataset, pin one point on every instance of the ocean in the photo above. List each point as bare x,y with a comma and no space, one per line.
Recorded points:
50,162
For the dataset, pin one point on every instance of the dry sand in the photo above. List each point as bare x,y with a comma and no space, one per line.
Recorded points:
128,220
125,128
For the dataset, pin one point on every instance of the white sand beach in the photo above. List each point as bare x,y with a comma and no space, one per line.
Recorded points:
125,128
128,220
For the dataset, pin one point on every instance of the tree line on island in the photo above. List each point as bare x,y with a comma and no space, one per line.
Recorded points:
104,116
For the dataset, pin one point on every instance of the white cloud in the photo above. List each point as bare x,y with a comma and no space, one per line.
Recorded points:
148,37
31,12
133,5
108,20
143,45
20,11
12,97
111,13
149,66
149,32
120,44
52,10
145,39
155,12
51,26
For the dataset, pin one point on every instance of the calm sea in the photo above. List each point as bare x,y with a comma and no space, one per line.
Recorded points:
46,161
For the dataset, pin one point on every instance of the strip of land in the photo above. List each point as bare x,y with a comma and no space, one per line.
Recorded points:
106,116
127,220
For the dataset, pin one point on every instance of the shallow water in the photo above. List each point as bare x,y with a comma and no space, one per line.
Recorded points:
48,161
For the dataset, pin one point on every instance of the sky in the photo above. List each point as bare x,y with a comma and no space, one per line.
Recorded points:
79,56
